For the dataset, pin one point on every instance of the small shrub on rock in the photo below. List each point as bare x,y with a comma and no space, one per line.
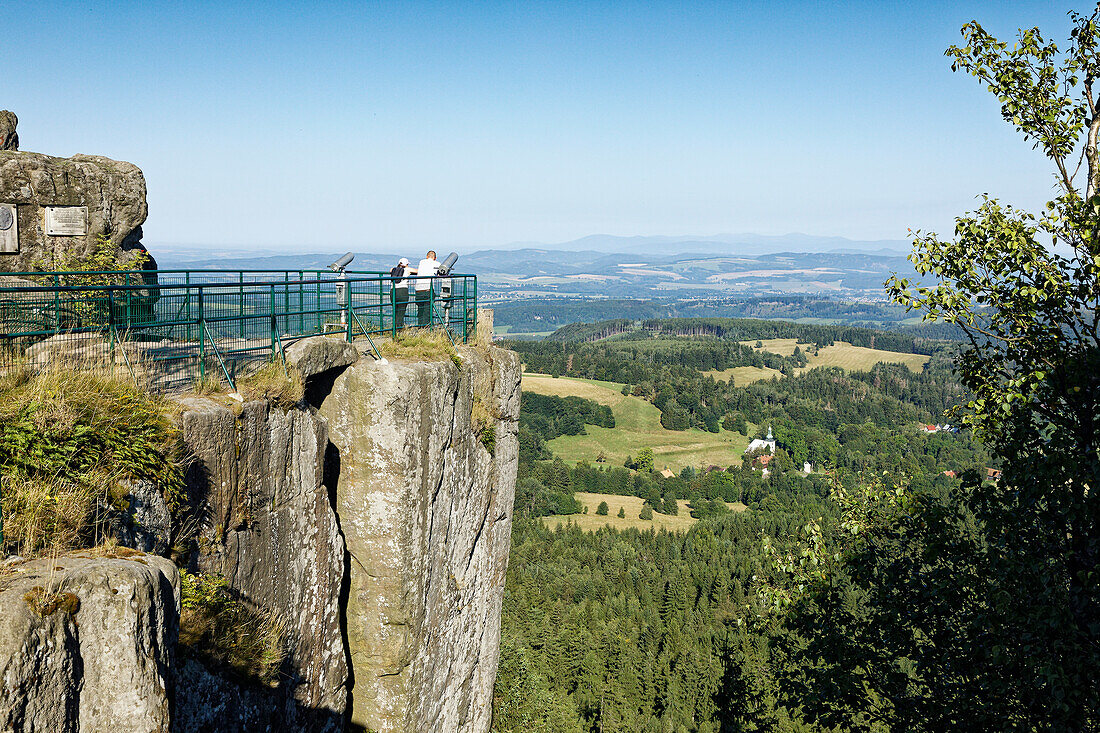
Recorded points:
280,384
224,633
71,440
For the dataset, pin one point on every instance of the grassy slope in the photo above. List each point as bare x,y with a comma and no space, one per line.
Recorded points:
844,355
637,426
744,375
632,506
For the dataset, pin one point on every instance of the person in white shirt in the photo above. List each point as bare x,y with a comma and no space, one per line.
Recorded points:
400,285
423,286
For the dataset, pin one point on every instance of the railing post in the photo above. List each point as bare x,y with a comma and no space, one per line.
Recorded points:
475,305
187,301
274,323
57,308
240,288
301,304
110,326
202,333
465,311
347,308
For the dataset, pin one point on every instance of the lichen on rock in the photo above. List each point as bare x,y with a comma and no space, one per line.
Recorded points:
426,512
86,644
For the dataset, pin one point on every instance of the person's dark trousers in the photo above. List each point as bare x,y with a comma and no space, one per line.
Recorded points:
400,303
423,308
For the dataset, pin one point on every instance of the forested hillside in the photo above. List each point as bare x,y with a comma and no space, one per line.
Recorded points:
659,631
883,593
543,315
667,370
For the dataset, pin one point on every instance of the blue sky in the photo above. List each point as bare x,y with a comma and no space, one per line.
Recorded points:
318,126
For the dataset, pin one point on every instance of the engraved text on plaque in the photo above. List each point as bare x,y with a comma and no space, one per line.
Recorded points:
66,221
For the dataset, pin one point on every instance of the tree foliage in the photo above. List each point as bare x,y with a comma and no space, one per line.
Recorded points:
981,608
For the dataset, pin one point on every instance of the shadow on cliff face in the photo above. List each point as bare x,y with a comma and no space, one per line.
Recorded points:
212,700
329,478
319,386
195,514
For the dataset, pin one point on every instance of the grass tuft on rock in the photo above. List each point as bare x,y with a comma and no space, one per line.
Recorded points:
282,386
70,440
208,384
224,633
420,345
484,425
46,603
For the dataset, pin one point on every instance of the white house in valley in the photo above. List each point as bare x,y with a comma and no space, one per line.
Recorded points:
768,442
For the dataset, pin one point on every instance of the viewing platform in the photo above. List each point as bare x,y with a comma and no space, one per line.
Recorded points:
178,326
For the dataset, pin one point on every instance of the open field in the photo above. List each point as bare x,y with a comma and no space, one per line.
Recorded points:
507,331
783,347
637,426
631,505
743,375
844,355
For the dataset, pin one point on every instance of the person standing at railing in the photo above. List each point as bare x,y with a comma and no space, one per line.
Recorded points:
425,272
400,290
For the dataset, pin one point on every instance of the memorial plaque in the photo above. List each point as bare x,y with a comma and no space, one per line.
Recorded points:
66,221
9,229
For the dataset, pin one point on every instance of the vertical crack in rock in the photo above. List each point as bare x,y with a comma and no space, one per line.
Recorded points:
262,474
415,494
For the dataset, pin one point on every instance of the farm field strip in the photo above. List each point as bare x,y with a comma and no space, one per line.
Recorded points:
842,354
637,426
743,375
632,506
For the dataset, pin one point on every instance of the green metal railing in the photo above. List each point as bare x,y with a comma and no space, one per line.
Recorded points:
176,325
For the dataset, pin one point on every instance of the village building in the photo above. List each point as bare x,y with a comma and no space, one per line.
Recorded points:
757,443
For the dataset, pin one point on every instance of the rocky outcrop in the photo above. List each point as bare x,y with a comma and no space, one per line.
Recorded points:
143,520
86,644
9,138
318,354
113,191
397,629
425,508
268,527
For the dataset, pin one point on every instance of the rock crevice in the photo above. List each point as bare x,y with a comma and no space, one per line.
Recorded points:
415,496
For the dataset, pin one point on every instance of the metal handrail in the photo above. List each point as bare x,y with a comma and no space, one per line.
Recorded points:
191,286
239,319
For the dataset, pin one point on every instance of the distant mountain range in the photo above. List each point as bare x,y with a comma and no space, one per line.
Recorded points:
716,244
745,244
701,275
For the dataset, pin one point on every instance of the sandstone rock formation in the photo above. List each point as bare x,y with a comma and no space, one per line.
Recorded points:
317,354
425,509
145,523
9,138
413,462
113,191
96,653
270,529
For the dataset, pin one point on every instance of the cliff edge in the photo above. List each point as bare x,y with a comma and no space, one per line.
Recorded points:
425,457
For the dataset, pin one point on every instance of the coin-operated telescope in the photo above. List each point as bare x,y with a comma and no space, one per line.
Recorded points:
445,268
447,265
341,287
340,264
